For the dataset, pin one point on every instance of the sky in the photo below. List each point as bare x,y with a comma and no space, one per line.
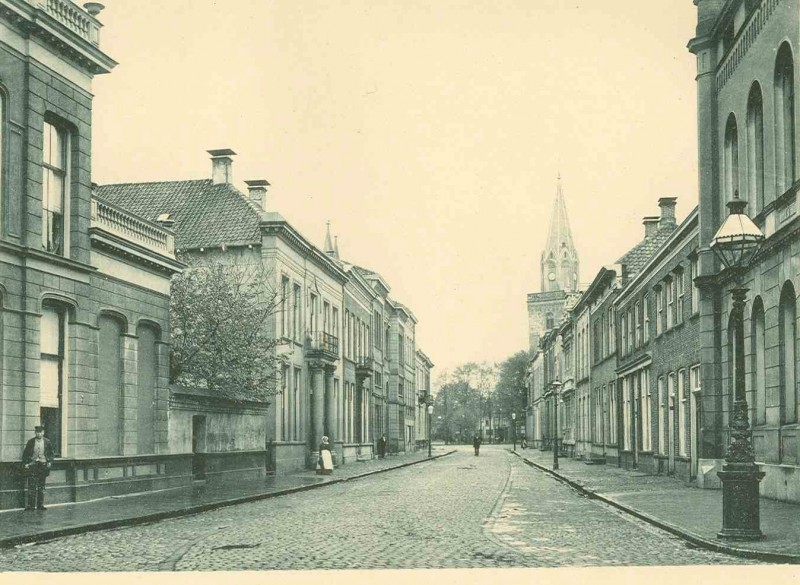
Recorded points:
430,134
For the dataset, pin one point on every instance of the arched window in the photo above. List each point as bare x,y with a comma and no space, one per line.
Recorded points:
758,379
109,388
147,374
755,149
730,163
784,119
787,322
52,375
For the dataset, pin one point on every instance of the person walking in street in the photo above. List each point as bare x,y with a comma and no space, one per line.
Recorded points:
325,462
37,457
382,447
476,443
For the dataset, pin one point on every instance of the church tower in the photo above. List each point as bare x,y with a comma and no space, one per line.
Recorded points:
559,273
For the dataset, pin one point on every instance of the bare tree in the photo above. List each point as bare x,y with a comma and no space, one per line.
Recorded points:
222,338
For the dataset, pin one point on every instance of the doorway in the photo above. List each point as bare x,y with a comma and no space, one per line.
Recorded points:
671,436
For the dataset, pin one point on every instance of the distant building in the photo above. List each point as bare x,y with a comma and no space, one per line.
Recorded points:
559,268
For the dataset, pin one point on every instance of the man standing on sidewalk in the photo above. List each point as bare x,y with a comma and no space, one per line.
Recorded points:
37,458
382,447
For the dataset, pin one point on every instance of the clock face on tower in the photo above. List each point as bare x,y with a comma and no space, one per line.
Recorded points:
551,276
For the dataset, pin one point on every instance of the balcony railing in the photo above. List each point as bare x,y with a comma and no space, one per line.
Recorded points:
123,224
322,342
73,17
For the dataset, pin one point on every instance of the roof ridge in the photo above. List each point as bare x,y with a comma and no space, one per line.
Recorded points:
152,182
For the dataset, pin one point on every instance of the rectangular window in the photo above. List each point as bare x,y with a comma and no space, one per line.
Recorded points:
662,416
659,310
297,391
612,413
695,291
626,413
376,325
669,287
335,327
669,403
646,319
681,411
631,326
51,378
54,189
647,440
624,340
312,313
284,422
296,314
679,291
285,306
400,350
638,320
326,317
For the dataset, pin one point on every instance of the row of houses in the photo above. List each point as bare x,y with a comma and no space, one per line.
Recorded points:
638,370
85,274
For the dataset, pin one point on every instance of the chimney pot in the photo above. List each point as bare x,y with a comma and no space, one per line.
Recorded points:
667,205
257,191
650,226
221,166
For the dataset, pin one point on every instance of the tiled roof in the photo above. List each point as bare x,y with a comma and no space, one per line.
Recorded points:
206,215
636,258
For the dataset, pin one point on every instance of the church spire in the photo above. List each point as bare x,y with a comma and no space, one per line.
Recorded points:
329,248
559,259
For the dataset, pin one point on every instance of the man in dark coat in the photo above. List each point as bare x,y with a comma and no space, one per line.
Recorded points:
37,459
382,447
476,443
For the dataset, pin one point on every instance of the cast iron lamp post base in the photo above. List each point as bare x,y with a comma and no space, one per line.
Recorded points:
740,475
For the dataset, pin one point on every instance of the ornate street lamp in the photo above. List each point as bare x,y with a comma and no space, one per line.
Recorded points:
514,428
430,414
735,244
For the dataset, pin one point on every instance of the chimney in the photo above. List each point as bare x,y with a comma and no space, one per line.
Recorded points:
667,205
221,166
650,226
257,192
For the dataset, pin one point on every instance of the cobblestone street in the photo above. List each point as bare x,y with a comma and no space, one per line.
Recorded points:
458,511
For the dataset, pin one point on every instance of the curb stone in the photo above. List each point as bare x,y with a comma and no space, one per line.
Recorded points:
773,557
48,535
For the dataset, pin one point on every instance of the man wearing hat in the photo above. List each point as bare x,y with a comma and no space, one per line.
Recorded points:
37,458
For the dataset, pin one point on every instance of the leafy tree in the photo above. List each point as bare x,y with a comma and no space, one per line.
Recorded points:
221,335
510,392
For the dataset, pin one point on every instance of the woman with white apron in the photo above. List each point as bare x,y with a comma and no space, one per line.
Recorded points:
325,462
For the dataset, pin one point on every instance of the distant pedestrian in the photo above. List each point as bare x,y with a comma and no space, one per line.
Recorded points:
382,447
37,457
524,443
476,443
325,462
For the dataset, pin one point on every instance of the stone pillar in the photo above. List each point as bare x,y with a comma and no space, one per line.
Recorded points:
318,420
330,405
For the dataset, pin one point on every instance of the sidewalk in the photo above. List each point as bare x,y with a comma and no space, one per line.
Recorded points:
19,527
689,512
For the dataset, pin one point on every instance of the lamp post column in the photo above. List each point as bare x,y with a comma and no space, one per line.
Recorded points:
555,429
740,475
